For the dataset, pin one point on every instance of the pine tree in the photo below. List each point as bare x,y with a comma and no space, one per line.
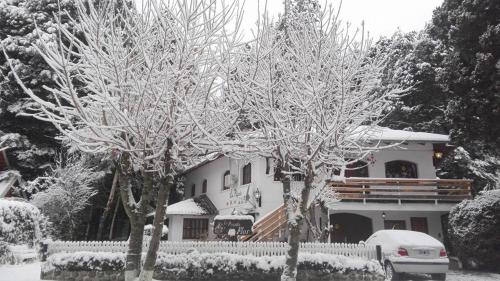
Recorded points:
414,64
471,74
31,141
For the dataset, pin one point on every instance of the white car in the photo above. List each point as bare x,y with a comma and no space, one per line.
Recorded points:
405,251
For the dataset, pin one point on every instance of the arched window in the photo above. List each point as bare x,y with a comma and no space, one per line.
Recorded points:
226,180
357,169
193,190
247,174
204,186
400,169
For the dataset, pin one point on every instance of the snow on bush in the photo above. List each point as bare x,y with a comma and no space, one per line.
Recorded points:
149,228
65,192
474,227
85,261
210,263
21,222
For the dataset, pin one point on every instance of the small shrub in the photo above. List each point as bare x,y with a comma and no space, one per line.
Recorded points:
474,230
21,222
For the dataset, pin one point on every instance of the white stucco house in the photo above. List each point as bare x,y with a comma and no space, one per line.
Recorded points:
393,188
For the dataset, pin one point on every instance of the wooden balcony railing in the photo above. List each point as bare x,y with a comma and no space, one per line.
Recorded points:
269,226
402,189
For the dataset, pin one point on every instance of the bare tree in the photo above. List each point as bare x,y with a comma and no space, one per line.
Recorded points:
136,83
308,88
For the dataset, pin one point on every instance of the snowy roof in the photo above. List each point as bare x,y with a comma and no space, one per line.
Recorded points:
202,161
387,134
375,133
200,205
234,217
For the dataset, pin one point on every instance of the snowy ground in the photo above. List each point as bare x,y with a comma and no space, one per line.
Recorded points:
31,272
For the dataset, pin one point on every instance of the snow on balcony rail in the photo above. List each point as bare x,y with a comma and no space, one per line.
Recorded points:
241,248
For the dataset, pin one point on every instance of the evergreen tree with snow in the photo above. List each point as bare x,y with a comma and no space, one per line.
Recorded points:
471,29
471,74
451,73
414,64
31,142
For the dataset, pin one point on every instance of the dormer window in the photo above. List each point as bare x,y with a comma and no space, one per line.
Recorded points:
226,180
247,174
400,169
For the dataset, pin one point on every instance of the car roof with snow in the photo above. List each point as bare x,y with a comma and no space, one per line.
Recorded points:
410,238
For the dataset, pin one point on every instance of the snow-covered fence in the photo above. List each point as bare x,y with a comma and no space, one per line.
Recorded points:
241,248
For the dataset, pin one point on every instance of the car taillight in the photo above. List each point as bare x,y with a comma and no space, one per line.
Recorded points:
442,253
402,252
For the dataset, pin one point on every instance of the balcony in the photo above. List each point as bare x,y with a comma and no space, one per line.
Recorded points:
402,190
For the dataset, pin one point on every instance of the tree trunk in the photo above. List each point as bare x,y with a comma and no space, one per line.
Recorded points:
166,184
137,216
159,219
295,221
87,230
112,227
105,213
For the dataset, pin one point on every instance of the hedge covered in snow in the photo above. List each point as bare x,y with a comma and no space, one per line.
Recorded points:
85,261
221,266
474,231
21,222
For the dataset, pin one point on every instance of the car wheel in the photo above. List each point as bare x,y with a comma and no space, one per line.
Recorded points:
439,276
390,274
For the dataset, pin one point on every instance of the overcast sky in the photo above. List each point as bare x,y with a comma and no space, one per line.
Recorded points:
382,17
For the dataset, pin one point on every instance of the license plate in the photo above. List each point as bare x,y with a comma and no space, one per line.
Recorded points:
424,252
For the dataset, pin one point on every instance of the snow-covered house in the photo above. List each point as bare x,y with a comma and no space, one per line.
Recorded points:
395,187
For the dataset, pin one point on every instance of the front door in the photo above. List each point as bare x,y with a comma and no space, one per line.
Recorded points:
350,228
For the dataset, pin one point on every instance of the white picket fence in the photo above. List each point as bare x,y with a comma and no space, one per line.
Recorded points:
240,248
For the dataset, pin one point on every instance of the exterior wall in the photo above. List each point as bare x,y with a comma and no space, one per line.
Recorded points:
433,219
418,153
175,227
236,198
271,191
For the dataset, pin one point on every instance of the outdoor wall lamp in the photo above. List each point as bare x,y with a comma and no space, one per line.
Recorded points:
384,215
438,155
258,196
